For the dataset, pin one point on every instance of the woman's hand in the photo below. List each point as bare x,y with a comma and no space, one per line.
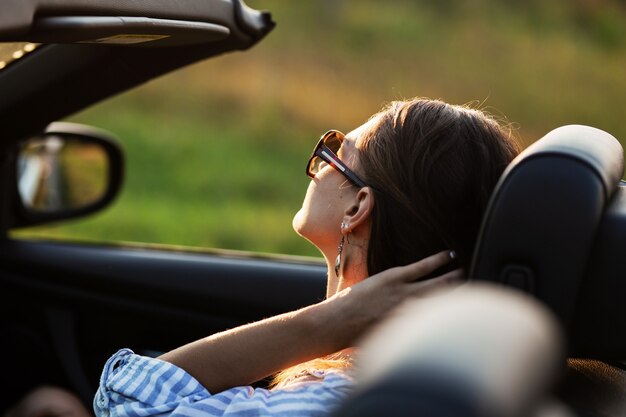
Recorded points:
356,309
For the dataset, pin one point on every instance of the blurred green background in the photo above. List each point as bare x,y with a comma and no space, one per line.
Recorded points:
216,152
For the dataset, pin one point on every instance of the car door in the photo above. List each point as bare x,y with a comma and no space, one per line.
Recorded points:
66,307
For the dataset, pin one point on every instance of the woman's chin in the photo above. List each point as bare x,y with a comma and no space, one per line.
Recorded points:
303,226
314,234
298,223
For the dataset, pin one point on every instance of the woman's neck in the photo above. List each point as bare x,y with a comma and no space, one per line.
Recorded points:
353,269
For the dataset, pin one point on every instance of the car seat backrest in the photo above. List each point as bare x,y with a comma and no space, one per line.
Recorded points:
542,223
598,328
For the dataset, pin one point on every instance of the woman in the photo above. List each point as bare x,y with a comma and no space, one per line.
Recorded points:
409,185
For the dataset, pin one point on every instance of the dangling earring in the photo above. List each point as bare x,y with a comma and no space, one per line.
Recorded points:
338,260
340,249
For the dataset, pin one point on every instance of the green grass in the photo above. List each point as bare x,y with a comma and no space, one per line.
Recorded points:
189,183
216,152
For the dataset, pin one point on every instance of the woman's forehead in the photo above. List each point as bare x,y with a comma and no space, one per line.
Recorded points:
354,136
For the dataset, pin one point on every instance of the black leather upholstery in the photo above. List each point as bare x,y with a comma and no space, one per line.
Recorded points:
599,324
547,228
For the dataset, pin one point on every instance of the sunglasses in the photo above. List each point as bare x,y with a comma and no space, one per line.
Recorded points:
326,151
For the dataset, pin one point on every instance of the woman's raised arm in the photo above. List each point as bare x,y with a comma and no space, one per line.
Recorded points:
251,352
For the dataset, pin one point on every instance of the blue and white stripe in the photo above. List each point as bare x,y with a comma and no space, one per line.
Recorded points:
139,386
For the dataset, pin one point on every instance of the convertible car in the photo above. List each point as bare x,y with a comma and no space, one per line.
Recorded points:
555,231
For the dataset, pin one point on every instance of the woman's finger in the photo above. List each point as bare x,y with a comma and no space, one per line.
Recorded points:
449,278
423,267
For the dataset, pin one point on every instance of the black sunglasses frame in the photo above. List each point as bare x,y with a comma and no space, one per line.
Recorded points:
326,154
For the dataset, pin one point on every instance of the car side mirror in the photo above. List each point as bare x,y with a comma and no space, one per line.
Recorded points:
67,171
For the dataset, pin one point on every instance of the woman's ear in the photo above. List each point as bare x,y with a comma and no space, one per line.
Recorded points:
359,213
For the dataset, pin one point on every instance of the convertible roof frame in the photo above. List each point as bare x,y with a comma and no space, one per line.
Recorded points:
59,79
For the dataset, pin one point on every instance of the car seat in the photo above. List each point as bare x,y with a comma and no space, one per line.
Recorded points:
556,228
553,229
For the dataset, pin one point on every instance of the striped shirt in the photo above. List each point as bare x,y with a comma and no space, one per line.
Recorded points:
139,386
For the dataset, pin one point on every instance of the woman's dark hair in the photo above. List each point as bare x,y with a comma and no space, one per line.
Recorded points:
432,167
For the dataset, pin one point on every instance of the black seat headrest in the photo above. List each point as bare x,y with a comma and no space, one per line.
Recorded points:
541,225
